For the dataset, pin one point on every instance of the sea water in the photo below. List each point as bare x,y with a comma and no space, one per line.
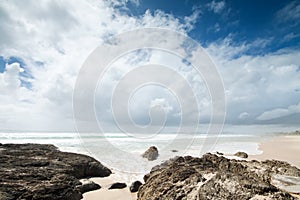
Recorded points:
122,152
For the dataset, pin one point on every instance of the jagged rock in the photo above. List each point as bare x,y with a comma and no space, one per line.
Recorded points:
41,171
219,153
135,186
88,185
215,177
151,153
117,186
241,154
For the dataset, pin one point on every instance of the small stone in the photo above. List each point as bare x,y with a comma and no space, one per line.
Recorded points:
241,154
117,185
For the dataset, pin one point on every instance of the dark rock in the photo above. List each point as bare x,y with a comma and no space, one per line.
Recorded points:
88,185
174,150
151,153
241,154
219,153
135,186
41,171
216,177
117,186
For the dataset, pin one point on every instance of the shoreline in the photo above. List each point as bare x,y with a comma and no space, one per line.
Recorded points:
282,147
278,147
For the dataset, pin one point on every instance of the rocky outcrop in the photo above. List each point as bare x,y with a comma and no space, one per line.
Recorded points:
241,154
216,177
36,171
151,153
134,187
117,185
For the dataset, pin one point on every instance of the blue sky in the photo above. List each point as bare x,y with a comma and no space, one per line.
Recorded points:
254,44
243,21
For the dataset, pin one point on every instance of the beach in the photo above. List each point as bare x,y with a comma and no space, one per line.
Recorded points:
104,193
284,148
279,147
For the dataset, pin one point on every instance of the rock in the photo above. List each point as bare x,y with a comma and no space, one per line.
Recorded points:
219,153
174,150
117,185
135,186
241,154
88,185
151,153
216,177
41,171
287,183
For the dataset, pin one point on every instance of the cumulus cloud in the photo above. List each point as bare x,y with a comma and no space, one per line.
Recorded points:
280,112
53,38
256,83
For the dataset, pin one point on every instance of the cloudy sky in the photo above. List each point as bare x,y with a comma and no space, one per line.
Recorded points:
255,46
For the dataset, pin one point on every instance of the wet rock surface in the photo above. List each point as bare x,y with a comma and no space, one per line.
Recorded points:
41,171
216,177
151,153
241,154
117,185
134,187
88,185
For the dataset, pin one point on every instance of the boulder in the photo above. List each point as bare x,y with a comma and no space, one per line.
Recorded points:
88,185
241,154
151,153
41,171
134,187
216,177
117,185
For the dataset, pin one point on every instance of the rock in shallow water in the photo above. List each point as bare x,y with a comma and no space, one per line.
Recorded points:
40,171
151,153
215,177
117,185
241,154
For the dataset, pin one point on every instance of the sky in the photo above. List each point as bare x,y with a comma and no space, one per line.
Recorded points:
255,46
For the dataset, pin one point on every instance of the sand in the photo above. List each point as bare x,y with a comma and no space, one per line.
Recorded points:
284,148
104,193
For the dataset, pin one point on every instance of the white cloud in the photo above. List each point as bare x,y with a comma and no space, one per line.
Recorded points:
53,38
280,112
161,102
256,83
289,13
243,115
216,7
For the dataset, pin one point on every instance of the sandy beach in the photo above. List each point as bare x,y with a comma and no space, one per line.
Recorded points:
284,148
106,194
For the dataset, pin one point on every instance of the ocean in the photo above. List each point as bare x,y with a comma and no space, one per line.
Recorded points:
122,153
